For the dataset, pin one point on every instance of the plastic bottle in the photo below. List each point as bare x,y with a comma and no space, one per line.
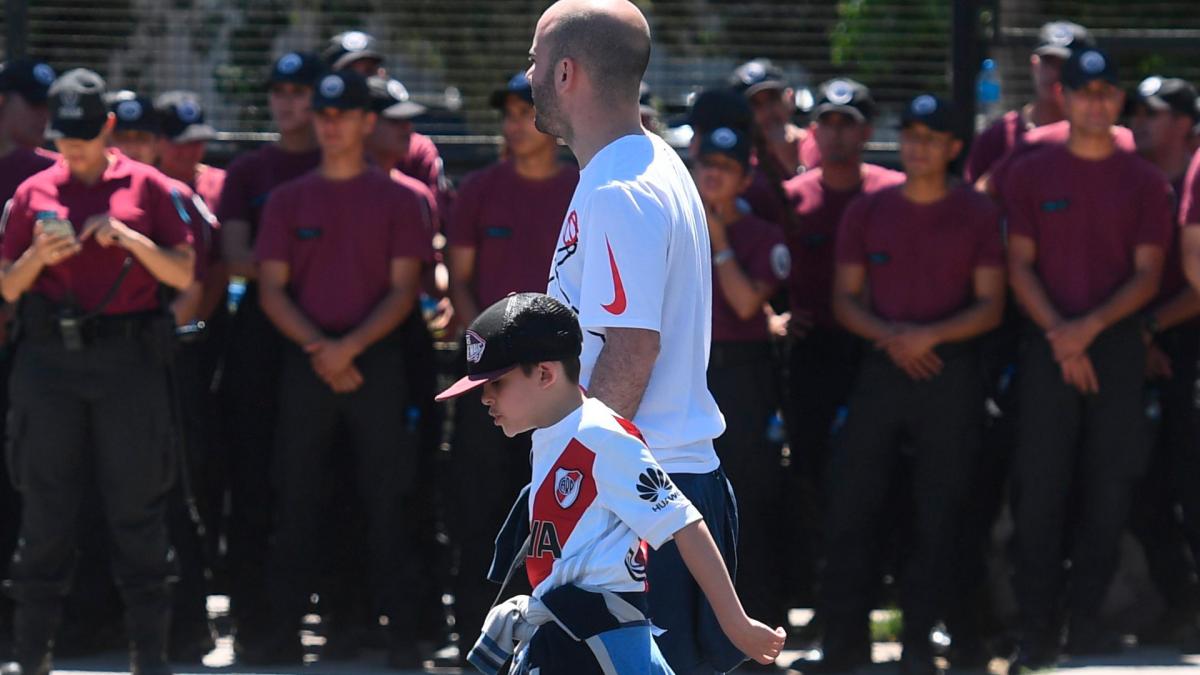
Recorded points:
987,93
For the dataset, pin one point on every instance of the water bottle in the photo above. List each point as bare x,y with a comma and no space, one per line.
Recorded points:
236,291
412,419
987,94
776,432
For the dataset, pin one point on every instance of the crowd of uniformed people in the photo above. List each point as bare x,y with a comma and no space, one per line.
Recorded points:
901,357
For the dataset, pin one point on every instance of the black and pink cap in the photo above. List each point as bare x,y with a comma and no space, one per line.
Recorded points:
521,328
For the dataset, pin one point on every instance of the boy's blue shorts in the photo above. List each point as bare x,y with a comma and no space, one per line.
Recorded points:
694,642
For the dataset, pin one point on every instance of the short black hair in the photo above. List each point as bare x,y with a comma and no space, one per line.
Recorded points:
570,368
614,53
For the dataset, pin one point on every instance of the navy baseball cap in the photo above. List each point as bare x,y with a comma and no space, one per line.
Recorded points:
1088,65
521,328
133,112
296,68
1165,93
344,90
726,141
716,108
647,103
757,75
1060,38
31,79
346,48
390,99
933,111
182,117
846,96
77,108
518,85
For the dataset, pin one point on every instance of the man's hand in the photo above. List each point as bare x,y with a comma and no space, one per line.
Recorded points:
331,358
1158,364
759,641
911,349
107,230
800,322
51,249
1072,338
1079,373
346,381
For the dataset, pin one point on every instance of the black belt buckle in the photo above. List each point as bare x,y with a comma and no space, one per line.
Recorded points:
70,327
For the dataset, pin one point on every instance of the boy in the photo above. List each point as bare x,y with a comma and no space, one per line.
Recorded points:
598,502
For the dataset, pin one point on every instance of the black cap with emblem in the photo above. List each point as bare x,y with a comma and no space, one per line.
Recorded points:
845,96
77,108
1088,65
303,68
929,110
1165,93
30,79
343,90
521,328
1060,38
755,76
346,48
133,112
390,99
518,85
716,108
726,141
182,117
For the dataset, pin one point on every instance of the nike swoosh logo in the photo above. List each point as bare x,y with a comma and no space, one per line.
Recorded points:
617,306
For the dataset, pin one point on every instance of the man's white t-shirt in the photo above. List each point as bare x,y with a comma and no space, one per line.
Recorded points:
598,502
634,253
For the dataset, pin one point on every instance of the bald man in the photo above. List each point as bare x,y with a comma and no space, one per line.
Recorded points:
633,261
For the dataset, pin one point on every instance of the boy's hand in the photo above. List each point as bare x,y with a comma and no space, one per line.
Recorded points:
759,642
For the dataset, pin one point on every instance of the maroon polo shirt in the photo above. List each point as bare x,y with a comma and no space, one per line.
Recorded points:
134,193
768,201
1189,195
251,177
339,239
760,251
921,259
1173,279
993,143
817,210
202,226
209,184
21,163
513,224
1086,218
1050,134
428,199
423,161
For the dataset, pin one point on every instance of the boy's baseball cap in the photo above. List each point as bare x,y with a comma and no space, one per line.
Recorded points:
133,112
1165,93
846,96
344,90
390,99
716,108
182,117
296,68
1088,65
726,141
1059,38
31,79
930,110
518,85
521,328
755,76
346,48
77,108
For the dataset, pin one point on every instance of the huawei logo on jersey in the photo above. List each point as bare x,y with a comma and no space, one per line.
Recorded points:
617,306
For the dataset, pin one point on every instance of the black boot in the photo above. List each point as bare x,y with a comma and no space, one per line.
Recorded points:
34,626
148,620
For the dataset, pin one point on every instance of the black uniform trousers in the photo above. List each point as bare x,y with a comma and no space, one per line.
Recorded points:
382,455
247,396
821,370
488,470
941,420
742,378
100,414
1166,511
1091,448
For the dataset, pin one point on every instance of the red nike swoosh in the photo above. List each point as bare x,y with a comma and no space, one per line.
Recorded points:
617,306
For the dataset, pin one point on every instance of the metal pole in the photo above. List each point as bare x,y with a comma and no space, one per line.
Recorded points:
16,18
964,59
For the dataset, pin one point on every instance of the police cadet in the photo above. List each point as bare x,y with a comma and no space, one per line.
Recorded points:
782,149
504,222
1055,42
823,356
750,262
1163,115
1080,375
23,114
252,357
137,130
389,141
86,246
340,255
920,275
